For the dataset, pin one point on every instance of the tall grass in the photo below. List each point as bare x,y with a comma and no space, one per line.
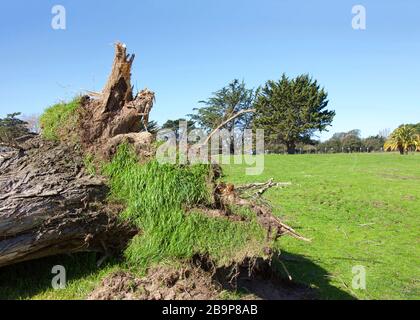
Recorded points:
156,198
59,118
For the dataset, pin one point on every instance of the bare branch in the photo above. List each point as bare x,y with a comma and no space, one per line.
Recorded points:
225,122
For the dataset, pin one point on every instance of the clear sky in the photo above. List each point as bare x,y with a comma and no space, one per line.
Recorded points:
187,49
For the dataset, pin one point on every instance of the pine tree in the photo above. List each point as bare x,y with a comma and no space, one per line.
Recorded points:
292,110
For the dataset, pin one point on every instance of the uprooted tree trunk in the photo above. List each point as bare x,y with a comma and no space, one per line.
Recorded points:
48,203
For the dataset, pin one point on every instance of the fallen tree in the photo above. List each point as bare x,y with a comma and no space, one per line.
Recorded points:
49,204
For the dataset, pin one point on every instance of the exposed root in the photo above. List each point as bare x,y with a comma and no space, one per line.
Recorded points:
200,280
226,195
259,189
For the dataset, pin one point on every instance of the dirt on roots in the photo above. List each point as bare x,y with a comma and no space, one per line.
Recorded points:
161,283
201,282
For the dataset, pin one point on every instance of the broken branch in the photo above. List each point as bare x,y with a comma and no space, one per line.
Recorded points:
225,122
262,187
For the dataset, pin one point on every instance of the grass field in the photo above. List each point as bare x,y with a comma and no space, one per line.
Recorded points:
358,209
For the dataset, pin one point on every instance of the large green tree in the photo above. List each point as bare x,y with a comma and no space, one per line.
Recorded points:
292,110
224,104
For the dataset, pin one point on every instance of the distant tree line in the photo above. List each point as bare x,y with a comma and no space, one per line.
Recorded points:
290,111
352,142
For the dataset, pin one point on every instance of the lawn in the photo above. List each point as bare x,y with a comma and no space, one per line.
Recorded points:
359,210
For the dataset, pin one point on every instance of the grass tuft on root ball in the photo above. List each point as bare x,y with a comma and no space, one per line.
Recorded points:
160,200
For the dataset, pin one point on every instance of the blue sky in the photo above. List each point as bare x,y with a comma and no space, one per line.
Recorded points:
188,49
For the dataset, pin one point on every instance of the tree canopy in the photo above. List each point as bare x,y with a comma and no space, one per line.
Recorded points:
292,110
351,141
416,127
403,139
223,104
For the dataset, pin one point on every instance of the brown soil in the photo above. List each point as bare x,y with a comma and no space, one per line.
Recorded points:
199,283
162,283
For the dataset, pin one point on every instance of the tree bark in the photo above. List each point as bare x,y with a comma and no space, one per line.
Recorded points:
49,205
401,150
291,148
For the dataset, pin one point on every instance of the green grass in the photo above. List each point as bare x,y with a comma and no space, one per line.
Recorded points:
358,209
157,197
89,164
58,117
32,280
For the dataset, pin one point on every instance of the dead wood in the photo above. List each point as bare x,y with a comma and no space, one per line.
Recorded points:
226,195
115,114
260,188
49,205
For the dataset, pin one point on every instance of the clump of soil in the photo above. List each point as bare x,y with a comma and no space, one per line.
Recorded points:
161,283
201,283
257,279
